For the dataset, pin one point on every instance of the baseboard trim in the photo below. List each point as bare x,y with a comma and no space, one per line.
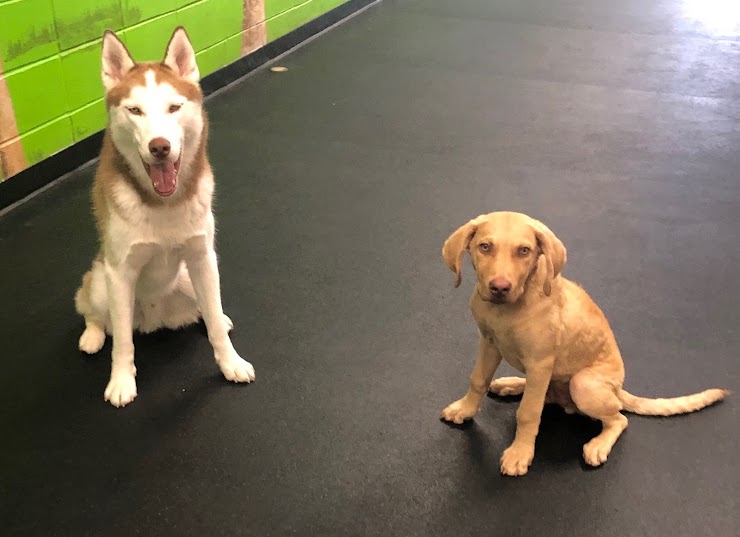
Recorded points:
36,177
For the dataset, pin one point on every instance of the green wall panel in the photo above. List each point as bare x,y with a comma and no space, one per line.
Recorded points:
211,21
274,8
37,93
147,41
322,6
48,139
81,68
232,49
25,39
80,21
88,120
210,59
290,20
215,57
136,11
182,3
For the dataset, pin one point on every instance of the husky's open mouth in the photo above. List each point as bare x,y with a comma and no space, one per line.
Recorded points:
163,176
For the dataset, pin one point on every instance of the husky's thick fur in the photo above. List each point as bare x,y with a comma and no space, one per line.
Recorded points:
152,204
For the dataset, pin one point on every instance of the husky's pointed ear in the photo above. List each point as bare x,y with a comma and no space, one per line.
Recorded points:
455,246
116,60
180,56
552,250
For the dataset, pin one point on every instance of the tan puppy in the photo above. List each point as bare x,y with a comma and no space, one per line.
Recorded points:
548,328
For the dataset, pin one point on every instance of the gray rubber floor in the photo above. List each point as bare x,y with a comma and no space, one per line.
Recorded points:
616,123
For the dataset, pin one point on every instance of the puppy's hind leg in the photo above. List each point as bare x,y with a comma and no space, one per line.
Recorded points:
505,386
596,397
91,301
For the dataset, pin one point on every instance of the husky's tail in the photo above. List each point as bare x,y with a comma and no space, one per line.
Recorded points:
673,405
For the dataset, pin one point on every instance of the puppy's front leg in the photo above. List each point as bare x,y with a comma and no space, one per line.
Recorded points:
518,456
120,282
203,268
489,358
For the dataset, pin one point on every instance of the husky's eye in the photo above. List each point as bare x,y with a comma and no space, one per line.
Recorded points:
135,110
174,108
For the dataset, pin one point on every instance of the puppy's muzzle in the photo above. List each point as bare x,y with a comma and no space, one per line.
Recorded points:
499,289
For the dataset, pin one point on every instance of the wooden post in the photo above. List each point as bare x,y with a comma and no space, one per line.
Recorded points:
254,31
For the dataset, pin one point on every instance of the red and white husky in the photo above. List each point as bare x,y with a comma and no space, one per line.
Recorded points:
152,203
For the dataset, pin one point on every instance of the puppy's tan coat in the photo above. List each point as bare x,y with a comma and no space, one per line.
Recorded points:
548,328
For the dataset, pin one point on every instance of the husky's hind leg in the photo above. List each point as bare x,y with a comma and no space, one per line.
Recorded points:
185,285
180,307
91,301
179,310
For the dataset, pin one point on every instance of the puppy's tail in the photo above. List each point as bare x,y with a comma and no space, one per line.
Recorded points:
673,405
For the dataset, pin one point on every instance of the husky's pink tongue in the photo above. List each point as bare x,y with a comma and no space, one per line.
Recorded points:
164,177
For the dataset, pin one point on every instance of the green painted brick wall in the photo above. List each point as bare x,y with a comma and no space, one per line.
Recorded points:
50,55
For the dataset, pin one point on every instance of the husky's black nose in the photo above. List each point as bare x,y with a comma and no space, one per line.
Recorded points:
159,147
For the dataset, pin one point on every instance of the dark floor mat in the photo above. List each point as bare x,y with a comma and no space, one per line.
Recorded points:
616,123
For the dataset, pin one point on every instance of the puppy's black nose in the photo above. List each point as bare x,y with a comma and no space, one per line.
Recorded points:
159,147
499,286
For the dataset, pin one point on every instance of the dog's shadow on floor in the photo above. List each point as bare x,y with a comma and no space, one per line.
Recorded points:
559,442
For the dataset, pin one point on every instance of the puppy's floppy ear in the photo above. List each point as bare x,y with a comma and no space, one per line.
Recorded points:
180,56
553,251
116,60
455,246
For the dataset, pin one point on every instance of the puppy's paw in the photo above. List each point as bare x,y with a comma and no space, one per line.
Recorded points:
459,411
235,368
596,452
516,459
121,389
229,323
92,339
505,386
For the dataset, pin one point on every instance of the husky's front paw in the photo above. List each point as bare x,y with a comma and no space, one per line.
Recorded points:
235,368
121,389
229,323
92,339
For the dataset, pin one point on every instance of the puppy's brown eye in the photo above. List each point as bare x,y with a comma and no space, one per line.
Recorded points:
135,110
524,251
484,247
174,108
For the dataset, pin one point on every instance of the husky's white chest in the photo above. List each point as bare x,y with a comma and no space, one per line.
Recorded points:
159,243
168,228
158,276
